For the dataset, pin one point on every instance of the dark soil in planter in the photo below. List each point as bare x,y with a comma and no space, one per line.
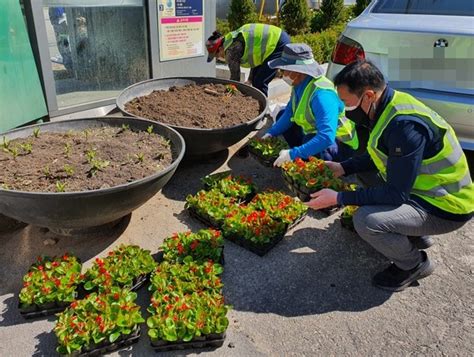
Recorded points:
196,106
82,160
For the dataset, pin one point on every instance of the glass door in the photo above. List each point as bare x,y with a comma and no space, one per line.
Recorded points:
90,50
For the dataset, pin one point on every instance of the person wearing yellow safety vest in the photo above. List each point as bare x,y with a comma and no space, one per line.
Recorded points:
251,46
425,187
314,116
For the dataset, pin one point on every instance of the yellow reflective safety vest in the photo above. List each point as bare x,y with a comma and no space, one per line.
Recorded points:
304,117
443,180
260,42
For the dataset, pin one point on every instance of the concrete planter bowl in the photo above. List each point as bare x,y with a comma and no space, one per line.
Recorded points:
70,212
200,142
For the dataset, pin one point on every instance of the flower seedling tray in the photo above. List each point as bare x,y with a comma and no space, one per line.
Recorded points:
296,222
106,346
221,175
267,162
208,341
259,249
347,223
205,220
303,194
35,311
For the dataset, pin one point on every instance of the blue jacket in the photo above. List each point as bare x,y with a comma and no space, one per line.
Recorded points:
326,107
416,141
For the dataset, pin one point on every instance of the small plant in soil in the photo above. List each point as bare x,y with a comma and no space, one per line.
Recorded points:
68,169
122,267
140,157
14,151
6,144
67,149
149,130
47,172
51,280
60,186
268,148
205,244
36,132
27,148
279,206
97,320
97,165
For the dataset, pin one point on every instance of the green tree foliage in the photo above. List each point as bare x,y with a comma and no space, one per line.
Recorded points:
360,6
241,12
332,12
294,16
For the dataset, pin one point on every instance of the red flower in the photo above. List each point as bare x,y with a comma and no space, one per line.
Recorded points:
55,264
57,282
180,248
116,296
74,304
102,270
194,244
169,307
166,298
41,268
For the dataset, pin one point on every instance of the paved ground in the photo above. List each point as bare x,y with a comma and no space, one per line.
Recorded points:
311,295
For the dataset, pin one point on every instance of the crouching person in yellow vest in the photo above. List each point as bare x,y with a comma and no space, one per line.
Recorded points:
251,46
314,116
425,187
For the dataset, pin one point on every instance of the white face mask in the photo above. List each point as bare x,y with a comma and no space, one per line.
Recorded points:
287,80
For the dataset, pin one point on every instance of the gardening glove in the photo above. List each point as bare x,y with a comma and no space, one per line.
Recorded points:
266,136
283,157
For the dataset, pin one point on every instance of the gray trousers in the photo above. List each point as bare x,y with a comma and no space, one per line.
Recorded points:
386,229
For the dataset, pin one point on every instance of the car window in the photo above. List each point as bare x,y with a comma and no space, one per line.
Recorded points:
426,7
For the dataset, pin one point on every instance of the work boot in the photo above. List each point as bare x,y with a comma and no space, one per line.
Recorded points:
421,242
395,279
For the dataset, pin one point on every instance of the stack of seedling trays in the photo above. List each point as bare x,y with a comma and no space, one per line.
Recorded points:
257,225
105,318
187,305
305,177
266,151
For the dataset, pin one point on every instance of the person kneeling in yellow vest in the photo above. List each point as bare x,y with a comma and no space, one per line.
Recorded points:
425,186
314,116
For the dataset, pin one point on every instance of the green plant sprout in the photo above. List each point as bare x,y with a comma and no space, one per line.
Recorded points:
60,186
97,165
90,155
46,171
140,157
149,130
27,148
14,152
6,143
125,127
69,170
67,149
36,132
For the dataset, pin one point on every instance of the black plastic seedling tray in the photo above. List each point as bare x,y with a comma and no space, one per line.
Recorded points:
209,341
348,223
106,346
205,220
36,311
267,162
259,249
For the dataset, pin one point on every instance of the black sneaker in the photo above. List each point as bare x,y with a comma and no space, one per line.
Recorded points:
396,279
423,242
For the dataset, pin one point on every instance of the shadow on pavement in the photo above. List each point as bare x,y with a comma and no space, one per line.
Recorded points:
186,179
21,248
312,271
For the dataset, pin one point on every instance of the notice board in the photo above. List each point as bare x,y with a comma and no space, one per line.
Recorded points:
181,29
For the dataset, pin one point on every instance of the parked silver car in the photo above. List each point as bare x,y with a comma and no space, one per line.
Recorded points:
423,47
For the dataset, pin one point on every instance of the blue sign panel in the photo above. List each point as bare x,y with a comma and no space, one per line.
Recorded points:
188,7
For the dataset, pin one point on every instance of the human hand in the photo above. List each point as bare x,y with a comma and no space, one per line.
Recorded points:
336,168
283,157
322,199
266,136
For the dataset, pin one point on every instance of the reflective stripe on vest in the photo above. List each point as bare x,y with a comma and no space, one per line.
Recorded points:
260,42
307,121
443,180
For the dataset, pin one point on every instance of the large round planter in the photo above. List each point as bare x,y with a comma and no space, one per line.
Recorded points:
83,209
200,141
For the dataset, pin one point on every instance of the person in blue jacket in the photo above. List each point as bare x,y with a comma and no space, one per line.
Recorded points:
310,120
